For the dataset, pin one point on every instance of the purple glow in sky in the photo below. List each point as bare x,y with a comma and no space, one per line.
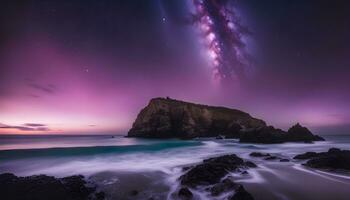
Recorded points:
90,66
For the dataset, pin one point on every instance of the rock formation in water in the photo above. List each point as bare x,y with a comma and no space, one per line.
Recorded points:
333,159
169,118
211,175
44,187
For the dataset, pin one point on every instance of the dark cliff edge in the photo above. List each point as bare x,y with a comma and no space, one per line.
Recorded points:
169,118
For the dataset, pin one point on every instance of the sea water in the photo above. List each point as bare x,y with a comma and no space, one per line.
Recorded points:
120,165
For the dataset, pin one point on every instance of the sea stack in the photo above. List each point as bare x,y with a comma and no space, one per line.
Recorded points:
170,118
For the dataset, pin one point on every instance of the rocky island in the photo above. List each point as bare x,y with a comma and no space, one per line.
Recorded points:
170,118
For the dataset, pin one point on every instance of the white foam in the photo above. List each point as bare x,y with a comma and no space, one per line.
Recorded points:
301,168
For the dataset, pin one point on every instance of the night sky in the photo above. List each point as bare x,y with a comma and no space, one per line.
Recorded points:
89,66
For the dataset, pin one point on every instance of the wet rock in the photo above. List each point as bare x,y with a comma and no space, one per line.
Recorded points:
134,193
250,164
100,195
306,155
244,173
220,137
224,186
259,154
334,151
284,160
44,187
271,158
212,170
185,194
186,168
241,194
332,159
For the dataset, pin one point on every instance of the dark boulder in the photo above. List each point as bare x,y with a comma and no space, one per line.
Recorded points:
250,164
133,193
306,155
241,194
220,137
212,170
224,186
333,159
44,187
259,154
271,158
210,173
185,194
284,160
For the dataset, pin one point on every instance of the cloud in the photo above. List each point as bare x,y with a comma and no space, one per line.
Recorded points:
26,127
49,88
34,124
33,95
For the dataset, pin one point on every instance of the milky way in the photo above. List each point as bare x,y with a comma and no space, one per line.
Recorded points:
88,66
223,35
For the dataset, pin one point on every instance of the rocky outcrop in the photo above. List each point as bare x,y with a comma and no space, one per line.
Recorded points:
210,173
334,159
299,133
169,118
271,135
44,187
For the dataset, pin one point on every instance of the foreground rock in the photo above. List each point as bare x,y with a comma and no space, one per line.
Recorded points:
44,187
185,194
210,173
169,118
334,159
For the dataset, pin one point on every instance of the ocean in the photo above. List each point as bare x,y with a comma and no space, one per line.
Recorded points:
120,165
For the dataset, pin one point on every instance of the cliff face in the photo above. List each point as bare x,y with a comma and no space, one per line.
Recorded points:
168,118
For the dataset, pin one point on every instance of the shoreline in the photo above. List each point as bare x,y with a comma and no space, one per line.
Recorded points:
270,180
129,174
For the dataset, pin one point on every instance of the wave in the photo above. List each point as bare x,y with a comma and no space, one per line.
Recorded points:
88,151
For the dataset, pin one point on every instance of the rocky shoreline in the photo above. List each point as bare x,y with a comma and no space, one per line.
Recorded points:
213,177
42,187
170,118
